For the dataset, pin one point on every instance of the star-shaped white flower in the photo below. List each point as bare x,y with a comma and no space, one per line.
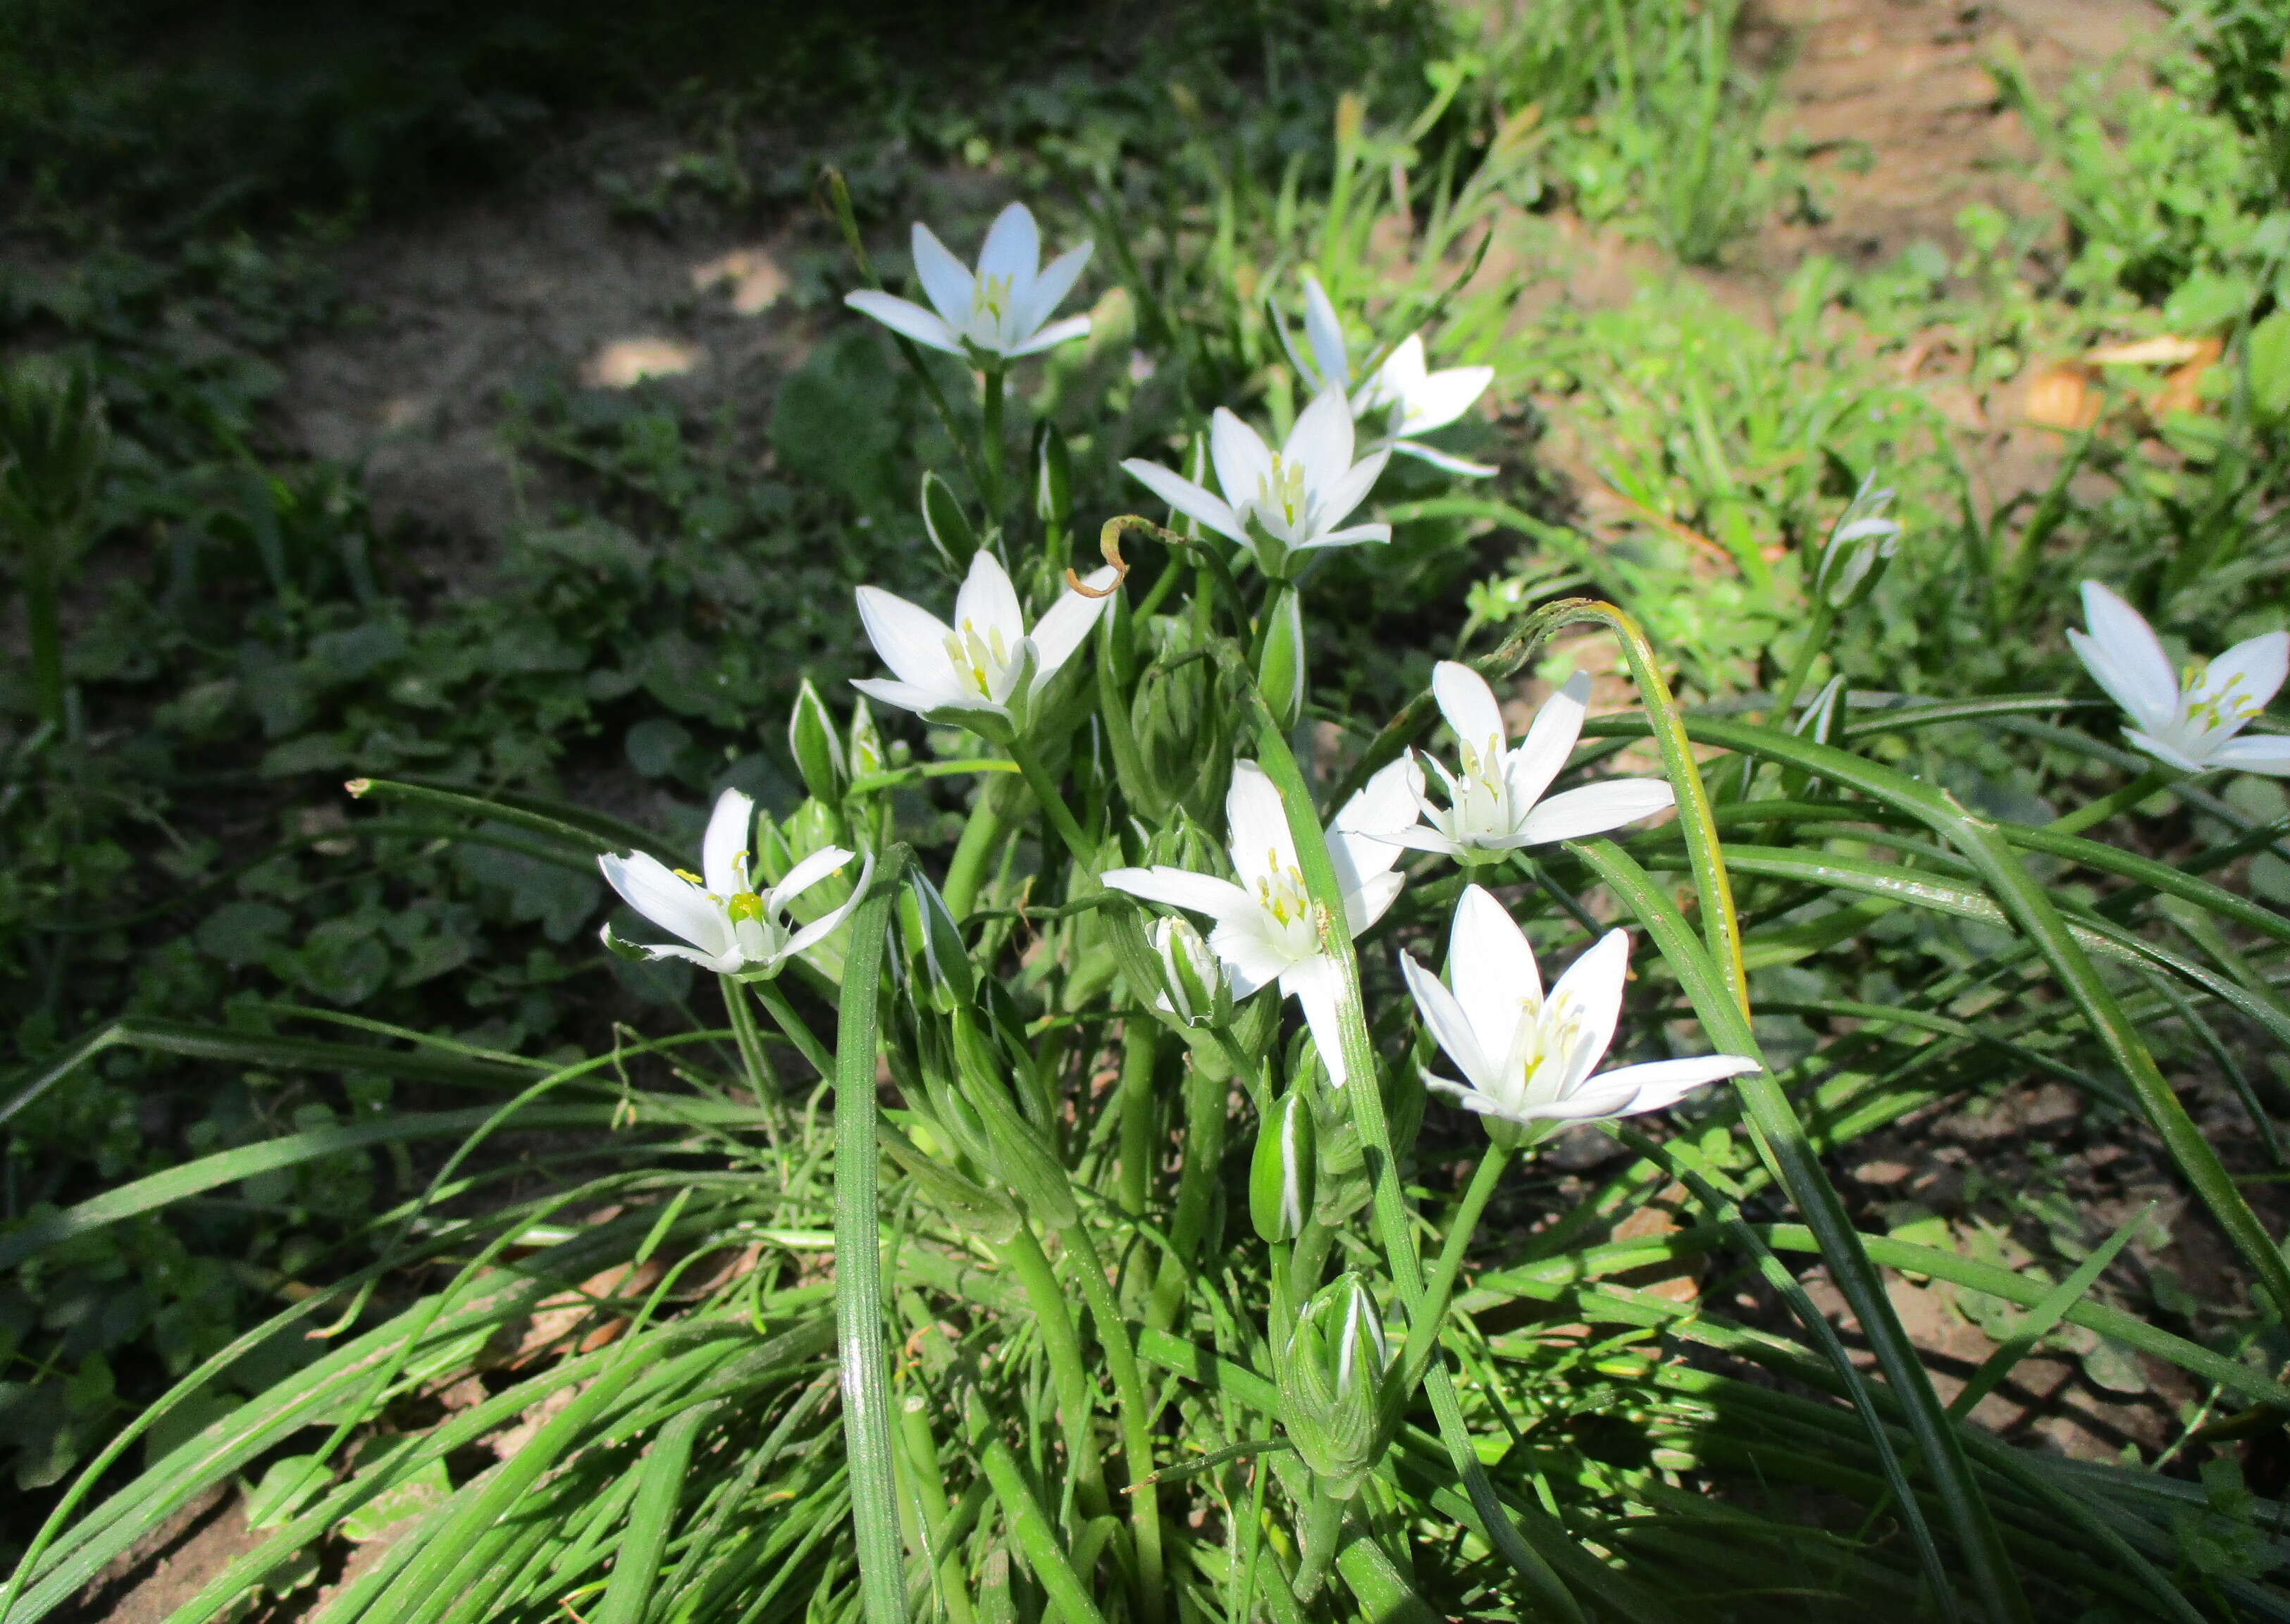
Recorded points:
1410,397
1297,497
1267,929
2192,727
1530,1060
1002,309
729,928
1495,802
982,672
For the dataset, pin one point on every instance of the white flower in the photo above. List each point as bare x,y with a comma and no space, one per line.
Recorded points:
1411,397
1001,310
730,928
1527,1059
2190,727
1494,800
981,672
1267,929
1299,497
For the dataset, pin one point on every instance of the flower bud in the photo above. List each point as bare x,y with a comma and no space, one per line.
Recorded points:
818,753
1053,477
867,757
1017,1152
947,526
944,966
1280,668
1332,1385
1281,1174
1857,548
1194,985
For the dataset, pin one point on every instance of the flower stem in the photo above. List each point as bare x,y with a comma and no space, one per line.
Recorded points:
1136,1416
775,1002
1053,805
761,1079
990,433
981,834
1324,1521
1140,1052
1808,653
43,625
2122,800
1206,1087
1021,1253
1423,1329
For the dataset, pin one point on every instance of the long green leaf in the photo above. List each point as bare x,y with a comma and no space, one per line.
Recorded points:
2047,1314
858,1257
635,1564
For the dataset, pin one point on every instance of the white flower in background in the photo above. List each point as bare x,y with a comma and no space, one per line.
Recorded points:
1494,800
1527,1058
1002,309
2192,727
981,672
729,927
1266,927
1410,397
1298,496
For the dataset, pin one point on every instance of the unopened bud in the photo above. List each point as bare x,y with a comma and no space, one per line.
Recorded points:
1017,1152
1332,1383
866,755
1052,477
945,962
1280,668
948,527
1194,985
818,753
1281,1174
1857,548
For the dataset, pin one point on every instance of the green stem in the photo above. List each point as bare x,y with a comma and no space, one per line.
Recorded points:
1777,714
44,625
1136,1410
1053,806
1204,1125
930,1490
1028,1524
1141,1053
761,1079
775,1003
1021,1253
981,834
1423,1331
1274,591
2121,800
1323,1522
990,439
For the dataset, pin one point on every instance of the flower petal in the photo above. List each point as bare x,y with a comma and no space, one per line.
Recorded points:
2252,670
1187,498
1251,957
1439,399
676,905
1447,461
2125,657
1469,707
1356,535
1591,989
947,281
1386,801
1013,247
825,861
1596,808
2267,753
1493,968
1200,893
1242,461
905,696
1256,826
1397,380
1449,1024
1321,444
1053,335
988,602
1348,489
1059,631
901,316
724,850
911,639
1550,740
2169,755
825,925
1326,335
1312,982
1050,289
1367,903
1659,1084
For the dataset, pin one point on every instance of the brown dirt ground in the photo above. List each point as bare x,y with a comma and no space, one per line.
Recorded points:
1902,127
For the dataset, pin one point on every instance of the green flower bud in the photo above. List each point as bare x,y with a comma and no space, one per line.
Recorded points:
1332,1385
968,1204
1052,477
867,755
1280,668
1859,548
1017,1152
948,527
1281,1174
818,753
942,964
1193,983
52,444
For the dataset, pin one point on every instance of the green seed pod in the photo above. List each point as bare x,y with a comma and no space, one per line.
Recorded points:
949,528
1281,1174
1280,668
1332,1385
818,753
